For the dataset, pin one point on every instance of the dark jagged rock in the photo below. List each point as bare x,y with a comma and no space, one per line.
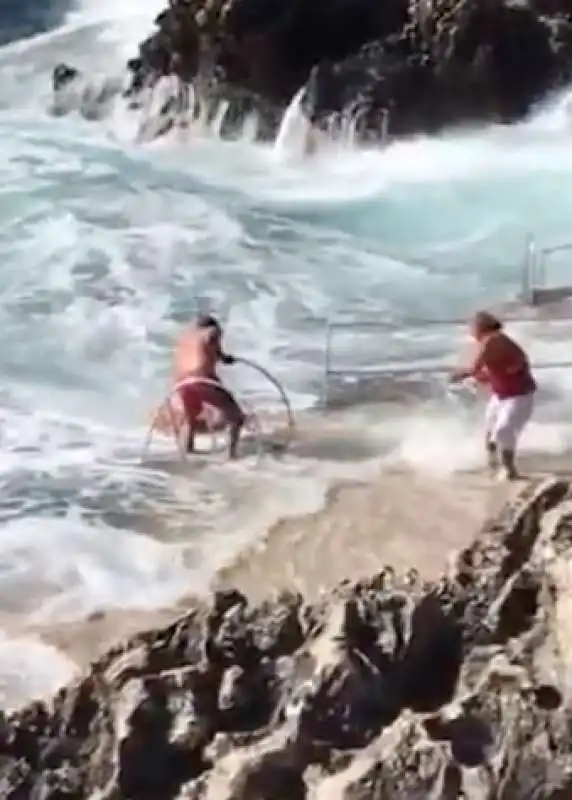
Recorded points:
420,64
391,687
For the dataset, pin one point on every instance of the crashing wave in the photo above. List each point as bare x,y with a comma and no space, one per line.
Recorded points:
161,105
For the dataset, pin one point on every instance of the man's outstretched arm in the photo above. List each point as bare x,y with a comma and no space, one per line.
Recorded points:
222,356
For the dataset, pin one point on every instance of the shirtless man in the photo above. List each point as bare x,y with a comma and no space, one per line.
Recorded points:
502,365
198,353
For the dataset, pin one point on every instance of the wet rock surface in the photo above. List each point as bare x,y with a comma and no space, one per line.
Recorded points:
401,65
365,69
389,688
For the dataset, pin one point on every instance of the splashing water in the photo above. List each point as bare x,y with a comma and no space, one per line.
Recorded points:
294,127
108,248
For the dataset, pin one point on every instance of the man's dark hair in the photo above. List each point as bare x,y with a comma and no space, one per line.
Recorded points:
208,321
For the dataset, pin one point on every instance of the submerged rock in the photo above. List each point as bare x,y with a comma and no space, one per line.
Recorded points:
390,687
72,91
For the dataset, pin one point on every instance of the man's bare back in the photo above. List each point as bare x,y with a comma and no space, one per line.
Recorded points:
198,353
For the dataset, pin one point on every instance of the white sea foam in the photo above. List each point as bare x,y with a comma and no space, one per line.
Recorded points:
30,671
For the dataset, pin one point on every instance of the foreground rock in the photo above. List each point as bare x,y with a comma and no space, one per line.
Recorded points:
390,688
428,63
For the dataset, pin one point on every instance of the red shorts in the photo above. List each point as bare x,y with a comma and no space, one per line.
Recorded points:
209,408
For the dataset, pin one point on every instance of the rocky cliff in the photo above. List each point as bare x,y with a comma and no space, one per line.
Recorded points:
429,63
391,688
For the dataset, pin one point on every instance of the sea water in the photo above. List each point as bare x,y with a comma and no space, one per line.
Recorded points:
107,249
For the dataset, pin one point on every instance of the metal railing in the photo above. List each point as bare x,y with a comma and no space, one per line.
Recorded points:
533,281
529,269
535,272
412,369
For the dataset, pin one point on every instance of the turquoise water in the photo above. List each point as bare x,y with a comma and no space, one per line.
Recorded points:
107,249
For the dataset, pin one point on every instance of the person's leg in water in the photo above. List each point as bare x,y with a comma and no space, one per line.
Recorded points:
197,400
491,415
236,420
191,437
193,397
513,416
492,454
231,416
235,427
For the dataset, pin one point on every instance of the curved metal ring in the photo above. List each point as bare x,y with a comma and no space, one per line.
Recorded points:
254,421
167,403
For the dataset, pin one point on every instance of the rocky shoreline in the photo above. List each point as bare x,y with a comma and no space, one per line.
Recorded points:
391,687
426,63
395,68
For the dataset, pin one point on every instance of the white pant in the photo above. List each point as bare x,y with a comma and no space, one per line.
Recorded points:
506,418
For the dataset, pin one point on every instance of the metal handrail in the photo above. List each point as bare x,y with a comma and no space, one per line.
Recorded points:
413,372
336,325
532,277
529,270
432,370
417,322
558,248
534,271
545,254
